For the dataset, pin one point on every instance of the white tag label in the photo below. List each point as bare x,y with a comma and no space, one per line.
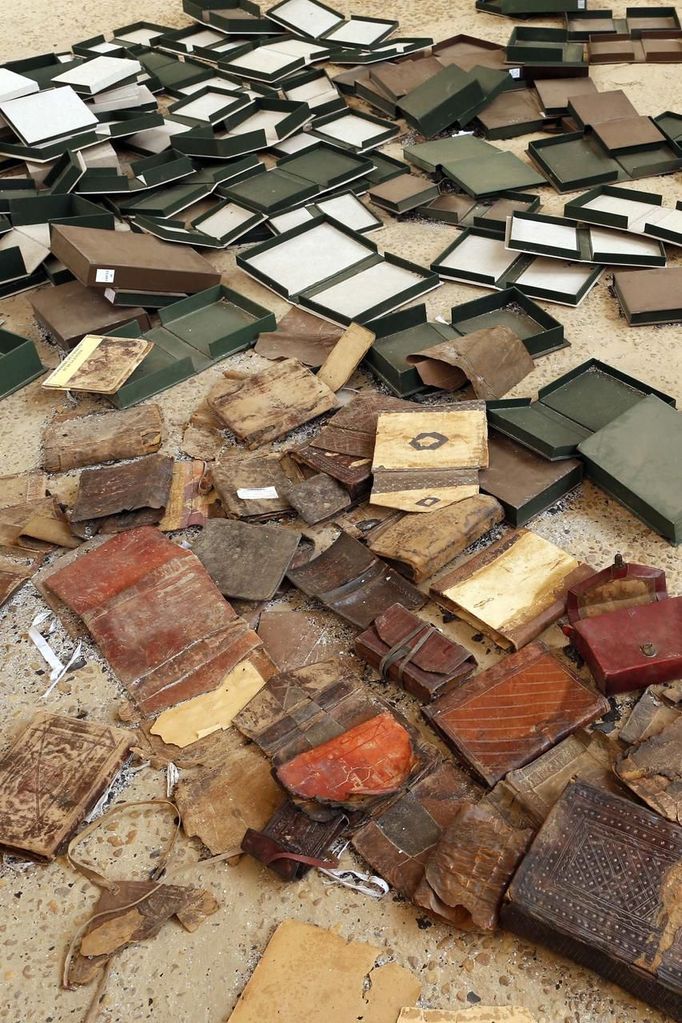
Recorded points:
264,494
105,276
581,5
515,72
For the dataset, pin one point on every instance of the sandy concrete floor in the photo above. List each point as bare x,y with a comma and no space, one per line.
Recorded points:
196,979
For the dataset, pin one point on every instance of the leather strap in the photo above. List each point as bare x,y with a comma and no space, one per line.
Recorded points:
404,650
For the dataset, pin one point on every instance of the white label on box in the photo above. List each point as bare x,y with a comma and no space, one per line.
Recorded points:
582,5
105,276
262,494
515,72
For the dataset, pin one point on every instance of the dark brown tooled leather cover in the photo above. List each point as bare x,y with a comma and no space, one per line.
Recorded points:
509,714
289,834
354,582
601,884
438,666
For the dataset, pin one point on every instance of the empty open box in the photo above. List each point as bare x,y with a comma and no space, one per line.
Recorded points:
629,210
561,238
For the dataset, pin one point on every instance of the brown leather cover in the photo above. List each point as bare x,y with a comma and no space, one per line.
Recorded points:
398,843
246,560
354,583
468,871
509,714
75,440
236,470
601,884
142,486
318,498
425,662
653,770
52,776
266,405
373,760
302,336
291,842
623,584
354,473
353,429
157,617
420,545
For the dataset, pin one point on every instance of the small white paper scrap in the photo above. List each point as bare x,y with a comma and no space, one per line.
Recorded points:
262,494
105,276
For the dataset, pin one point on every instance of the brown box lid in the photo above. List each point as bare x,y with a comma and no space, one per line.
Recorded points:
70,311
605,106
628,132
122,259
555,93
650,291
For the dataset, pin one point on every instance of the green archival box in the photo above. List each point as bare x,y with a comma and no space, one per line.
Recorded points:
19,362
540,332
398,335
636,459
452,96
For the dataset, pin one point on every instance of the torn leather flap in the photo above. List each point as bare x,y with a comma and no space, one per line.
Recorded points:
353,582
52,776
219,800
13,574
653,771
398,842
420,545
125,924
74,440
291,842
492,360
302,336
369,762
109,492
414,653
41,520
267,405
468,872
157,617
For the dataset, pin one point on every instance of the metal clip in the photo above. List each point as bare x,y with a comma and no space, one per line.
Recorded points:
649,650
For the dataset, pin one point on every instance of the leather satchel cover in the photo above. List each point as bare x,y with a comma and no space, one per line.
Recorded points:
413,653
509,714
601,884
634,647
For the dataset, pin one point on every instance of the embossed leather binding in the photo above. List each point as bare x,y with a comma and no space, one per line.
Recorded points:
353,582
399,841
413,653
51,777
509,714
601,884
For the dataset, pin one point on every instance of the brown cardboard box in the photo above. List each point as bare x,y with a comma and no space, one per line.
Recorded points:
121,259
70,311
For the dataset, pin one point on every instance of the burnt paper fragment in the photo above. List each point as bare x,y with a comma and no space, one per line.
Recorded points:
509,714
52,776
157,617
353,582
468,871
291,842
601,884
405,649
398,842
72,441
106,495
246,560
